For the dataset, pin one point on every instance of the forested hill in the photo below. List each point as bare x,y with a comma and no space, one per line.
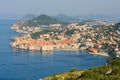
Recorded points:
43,20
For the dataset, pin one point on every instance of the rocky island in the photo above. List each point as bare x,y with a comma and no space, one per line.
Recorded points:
45,33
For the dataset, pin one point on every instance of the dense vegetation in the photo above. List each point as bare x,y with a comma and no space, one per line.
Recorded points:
70,32
110,71
36,35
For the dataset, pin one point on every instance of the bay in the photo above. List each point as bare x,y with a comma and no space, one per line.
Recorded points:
32,65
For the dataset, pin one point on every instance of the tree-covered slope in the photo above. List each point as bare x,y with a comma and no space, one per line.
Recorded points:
43,20
110,71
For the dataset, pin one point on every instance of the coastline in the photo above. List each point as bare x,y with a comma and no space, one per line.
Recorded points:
101,54
68,49
27,43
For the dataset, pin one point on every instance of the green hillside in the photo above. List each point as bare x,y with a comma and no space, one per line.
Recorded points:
43,20
110,71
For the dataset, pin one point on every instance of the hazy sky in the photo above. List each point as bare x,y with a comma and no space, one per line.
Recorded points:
18,8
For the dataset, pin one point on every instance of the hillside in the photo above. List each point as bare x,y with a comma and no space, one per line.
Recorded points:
111,71
43,20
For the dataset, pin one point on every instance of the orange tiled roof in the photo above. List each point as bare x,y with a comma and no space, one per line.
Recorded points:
61,42
93,50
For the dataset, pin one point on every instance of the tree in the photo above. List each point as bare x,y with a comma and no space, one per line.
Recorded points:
111,52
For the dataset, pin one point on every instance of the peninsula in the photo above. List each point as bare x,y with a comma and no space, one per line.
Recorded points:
45,33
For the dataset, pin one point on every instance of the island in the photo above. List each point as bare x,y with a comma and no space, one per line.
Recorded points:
44,33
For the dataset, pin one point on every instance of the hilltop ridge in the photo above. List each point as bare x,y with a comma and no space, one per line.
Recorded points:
44,20
40,20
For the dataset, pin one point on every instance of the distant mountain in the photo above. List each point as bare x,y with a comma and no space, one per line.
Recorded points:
81,18
29,16
64,18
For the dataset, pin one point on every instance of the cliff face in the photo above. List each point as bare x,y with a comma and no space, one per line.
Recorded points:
20,27
47,48
34,48
15,27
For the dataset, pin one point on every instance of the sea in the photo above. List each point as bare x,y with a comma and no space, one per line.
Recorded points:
33,65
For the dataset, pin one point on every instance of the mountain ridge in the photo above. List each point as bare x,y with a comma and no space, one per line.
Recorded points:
43,20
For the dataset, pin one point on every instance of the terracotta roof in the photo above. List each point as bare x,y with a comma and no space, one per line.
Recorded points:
93,50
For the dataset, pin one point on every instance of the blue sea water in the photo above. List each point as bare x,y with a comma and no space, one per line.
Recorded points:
32,65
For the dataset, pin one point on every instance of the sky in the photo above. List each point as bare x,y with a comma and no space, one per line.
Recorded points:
18,8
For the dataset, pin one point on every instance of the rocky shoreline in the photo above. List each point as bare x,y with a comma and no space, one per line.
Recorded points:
44,48
23,42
